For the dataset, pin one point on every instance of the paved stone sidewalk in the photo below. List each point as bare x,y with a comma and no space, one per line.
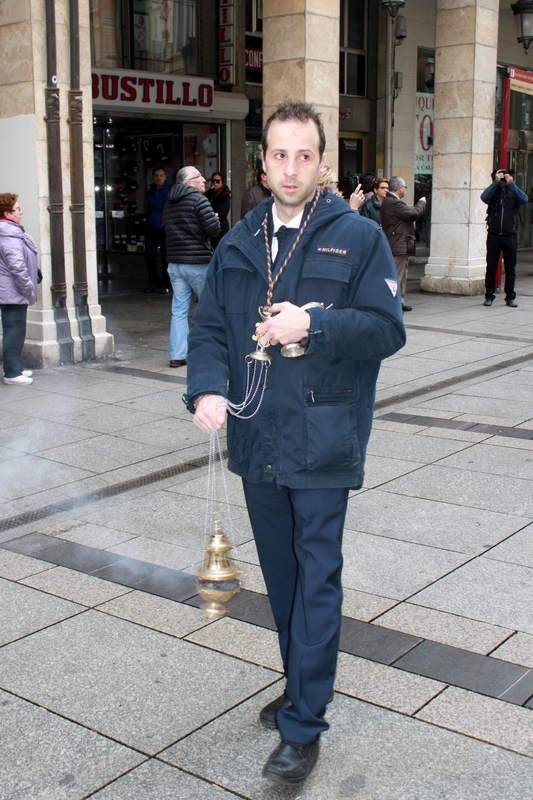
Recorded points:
114,685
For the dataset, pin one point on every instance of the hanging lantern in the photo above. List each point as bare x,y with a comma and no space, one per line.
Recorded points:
523,9
217,577
392,6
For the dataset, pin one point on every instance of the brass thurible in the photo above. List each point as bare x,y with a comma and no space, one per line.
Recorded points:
260,352
218,576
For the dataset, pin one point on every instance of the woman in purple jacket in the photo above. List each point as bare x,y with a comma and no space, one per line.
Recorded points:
18,287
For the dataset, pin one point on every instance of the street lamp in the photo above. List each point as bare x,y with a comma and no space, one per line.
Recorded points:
393,6
396,34
524,9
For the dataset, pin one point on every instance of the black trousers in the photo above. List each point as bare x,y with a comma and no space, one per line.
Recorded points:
506,247
14,333
298,534
156,261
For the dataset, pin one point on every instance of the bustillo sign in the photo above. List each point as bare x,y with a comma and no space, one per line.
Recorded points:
146,91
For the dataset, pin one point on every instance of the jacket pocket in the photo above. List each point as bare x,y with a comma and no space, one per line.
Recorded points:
330,429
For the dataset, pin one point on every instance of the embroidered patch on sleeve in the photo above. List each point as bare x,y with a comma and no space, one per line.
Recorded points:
393,286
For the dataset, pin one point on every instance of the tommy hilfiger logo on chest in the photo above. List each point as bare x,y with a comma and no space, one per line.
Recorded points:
332,251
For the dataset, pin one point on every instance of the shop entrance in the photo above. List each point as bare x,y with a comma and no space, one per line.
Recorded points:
126,151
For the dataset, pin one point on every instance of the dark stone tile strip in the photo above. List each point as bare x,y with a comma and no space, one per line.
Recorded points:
459,425
451,665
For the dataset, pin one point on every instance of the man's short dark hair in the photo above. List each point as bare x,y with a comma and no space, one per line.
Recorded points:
303,112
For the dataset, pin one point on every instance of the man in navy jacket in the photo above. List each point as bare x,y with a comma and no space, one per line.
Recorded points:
303,450
504,199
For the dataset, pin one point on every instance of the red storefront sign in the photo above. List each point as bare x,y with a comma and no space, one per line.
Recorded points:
144,90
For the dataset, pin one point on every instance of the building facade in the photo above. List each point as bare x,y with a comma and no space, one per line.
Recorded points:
94,94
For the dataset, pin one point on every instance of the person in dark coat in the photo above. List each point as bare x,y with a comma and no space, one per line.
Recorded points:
219,196
504,199
154,232
190,223
19,275
398,222
255,194
328,282
371,208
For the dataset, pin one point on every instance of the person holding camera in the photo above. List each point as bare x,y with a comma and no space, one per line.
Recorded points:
503,198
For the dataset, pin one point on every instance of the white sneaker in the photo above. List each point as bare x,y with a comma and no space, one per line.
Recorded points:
27,372
20,380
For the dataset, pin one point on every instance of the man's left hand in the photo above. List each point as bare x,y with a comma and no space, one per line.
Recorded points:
287,325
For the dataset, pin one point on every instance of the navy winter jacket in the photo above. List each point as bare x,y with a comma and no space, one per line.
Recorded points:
503,203
313,426
189,222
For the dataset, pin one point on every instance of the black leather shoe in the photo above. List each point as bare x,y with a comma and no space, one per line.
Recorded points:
177,362
291,762
488,301
407,308
267,715
511,303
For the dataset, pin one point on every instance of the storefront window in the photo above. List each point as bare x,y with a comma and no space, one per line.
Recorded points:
153,35
126,153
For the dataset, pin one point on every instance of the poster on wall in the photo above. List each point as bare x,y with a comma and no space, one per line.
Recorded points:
425,106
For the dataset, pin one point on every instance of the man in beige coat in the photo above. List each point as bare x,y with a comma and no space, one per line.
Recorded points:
398,222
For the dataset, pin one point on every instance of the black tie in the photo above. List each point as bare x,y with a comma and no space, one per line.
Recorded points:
285,237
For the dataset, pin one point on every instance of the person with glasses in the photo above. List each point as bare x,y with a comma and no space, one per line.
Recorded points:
372,207
190,223
19,275
219,196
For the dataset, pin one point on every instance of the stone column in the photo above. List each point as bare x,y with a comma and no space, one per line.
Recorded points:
465,79
301,60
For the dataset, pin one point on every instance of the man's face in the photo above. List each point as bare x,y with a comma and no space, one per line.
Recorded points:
159,177
400,191
382,190
292,163
197,181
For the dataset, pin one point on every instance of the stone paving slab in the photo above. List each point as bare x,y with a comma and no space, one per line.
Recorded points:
451,629
518,649
110,419
28,474
45,757
439,524
15,566
166,432
511,462
33,436
408,446
162,554
467,488
391,567
140,687
483,718
380,470
108,390
517,549
364,606
370,753
86,533
157,613
169,517
512,413
24,610
102,453
383,685
75,586
486,590
236,638
156,781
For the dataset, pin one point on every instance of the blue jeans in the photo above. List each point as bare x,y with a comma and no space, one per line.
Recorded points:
185,279
14,333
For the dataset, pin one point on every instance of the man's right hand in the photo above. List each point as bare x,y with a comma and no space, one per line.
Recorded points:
210,412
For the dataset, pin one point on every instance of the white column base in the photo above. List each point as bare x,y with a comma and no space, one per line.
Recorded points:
443,277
